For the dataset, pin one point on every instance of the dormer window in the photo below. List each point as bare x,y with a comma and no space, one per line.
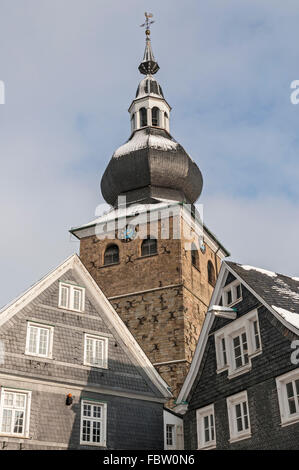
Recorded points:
143,117
71,297
237,343
155,117
232,293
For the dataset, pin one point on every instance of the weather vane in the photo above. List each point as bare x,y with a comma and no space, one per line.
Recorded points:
147,23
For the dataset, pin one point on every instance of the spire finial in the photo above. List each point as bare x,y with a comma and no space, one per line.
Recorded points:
147,23
148,66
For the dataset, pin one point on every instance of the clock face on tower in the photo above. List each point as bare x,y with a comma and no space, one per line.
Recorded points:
128,233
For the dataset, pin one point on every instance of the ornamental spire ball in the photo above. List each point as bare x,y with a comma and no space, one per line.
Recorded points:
151,166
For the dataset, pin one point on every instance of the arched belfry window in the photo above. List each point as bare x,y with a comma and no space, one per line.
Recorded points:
166,119
149,247
143,117
111,255
155,116
133,122
211,274
194,256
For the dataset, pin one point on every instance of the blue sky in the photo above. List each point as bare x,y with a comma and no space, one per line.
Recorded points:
70,71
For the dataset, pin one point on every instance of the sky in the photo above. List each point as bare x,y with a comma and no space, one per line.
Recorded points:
70,70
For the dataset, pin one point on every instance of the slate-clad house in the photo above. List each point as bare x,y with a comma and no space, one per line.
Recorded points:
71,374
242,390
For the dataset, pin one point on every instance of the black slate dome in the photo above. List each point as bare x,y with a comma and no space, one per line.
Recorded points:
149,167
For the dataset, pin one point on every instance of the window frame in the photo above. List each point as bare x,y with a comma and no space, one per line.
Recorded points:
201,413
111,245
232,288
105,350
26,409
173,435
143,243
232,402
70,304
50,328
244,324
103,420
281,382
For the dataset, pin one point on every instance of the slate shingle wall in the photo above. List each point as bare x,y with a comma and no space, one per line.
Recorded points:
260,384
132,423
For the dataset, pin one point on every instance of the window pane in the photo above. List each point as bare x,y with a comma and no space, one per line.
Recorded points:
97,411
256,335
86,410
33,332
77,299
43,341
19,422
6,421
64,299
229,297
238,291
20,400
8,399
86,430
89,350
96,431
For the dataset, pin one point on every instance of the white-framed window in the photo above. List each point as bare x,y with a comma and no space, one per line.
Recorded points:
93,423
14,412
288,397
238,416
170,435
237,343
95,351
206,432
39,340
71,297
231,294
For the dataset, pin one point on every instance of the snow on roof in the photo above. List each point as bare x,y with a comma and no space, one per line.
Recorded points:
263,271
282,288
295,279
290,317
141,140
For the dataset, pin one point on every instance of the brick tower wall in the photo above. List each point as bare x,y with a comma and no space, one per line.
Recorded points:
161,298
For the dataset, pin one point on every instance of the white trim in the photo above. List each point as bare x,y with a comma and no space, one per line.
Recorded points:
71,296
203,337
94,338
202,413
26,409
232,402
50,328
286,417
236,328
102,421
135,352
232,288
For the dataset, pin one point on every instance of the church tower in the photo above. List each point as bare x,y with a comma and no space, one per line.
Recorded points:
151,254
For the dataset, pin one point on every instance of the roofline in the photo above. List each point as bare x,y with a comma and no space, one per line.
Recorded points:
74,262
211,234
203,337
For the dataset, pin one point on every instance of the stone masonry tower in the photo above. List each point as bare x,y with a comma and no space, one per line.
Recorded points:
150,254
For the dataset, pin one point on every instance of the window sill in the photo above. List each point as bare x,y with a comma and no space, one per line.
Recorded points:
235,302
109,265
208,447
240,371
148,256
289,421
14,436
92,366
37,356
94,444
71,309
240,438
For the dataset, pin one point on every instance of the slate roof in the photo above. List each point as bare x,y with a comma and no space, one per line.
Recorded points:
277,290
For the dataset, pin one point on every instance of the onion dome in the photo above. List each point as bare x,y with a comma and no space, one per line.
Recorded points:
151,166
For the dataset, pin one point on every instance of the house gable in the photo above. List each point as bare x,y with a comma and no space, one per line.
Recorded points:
129,370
